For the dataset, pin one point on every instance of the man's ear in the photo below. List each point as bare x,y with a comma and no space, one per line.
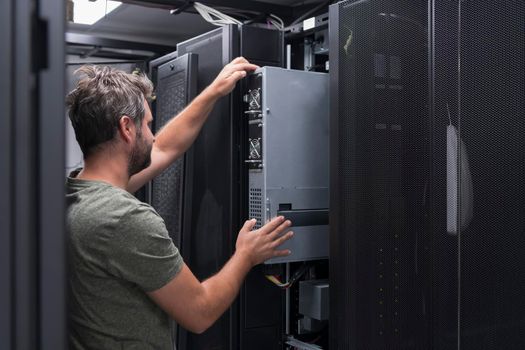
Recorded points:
126,128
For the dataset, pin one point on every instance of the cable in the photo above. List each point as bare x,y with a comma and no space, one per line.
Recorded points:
285,285
277,22
214,16
218,17
276,281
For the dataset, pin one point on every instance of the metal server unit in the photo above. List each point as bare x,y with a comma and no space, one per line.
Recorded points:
287,113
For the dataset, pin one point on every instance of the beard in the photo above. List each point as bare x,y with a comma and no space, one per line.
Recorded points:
140,157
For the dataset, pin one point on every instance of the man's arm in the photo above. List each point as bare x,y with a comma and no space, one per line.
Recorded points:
179,133
195,305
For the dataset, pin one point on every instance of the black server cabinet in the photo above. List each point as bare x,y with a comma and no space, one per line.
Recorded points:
478,91
380,173
491,124
216,190
461,165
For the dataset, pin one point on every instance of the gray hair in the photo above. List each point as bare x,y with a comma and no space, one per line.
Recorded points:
102,96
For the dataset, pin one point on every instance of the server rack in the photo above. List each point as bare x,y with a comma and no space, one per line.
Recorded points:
491,104
463,164
380,171
215,190
288,176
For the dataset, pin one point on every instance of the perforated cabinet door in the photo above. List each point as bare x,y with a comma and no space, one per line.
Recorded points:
175,89
492,171
427,175
380,173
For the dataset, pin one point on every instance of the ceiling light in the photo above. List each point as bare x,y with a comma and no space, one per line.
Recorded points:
89,11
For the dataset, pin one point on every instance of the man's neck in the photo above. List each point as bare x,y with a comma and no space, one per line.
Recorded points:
104,168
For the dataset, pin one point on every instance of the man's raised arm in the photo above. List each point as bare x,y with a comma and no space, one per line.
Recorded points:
179,133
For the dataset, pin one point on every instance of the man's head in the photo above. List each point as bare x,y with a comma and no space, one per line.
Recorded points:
104,103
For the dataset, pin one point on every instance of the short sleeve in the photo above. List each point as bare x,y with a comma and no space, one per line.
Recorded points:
142,251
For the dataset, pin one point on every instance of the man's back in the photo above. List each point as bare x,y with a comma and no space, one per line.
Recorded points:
119,250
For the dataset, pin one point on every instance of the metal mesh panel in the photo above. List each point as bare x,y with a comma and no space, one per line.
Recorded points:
256,206
492,127
166,194
445,247
382,169
458,272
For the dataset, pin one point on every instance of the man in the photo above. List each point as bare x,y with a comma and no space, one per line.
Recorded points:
127,277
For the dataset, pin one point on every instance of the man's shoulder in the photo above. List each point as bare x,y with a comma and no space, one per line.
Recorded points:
141,213
83,192
102,203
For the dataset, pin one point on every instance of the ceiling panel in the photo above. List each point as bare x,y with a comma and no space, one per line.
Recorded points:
154,25
145,24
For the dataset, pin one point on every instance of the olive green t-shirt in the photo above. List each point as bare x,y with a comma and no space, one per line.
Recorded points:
119,249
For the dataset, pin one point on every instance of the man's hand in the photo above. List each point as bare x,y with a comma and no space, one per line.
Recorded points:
230,75
260,245
196,305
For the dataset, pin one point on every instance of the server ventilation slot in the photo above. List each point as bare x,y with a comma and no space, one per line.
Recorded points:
256,206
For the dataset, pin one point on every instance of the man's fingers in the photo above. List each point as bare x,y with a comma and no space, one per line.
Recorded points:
280,229
245,66
272,225
284,252
248,225
236,76
282,239
240,59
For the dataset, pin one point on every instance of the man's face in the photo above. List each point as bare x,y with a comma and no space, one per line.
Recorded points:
141,153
